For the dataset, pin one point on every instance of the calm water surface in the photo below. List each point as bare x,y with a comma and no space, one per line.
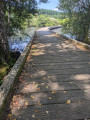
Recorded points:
20,40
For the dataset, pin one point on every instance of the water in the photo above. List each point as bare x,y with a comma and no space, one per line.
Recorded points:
20,40
59,31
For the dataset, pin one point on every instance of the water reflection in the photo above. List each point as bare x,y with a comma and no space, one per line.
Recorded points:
20,40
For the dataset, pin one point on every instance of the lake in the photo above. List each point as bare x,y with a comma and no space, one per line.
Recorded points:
20,40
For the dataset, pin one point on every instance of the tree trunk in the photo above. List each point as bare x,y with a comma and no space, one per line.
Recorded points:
4,47
89,34
9,16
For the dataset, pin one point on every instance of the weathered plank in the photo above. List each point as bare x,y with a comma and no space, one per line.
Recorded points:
58,72
73,111
54,97
53,86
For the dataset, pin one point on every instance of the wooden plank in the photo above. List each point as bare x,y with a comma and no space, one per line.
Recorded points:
73,111
58,72
57,67
53,86
61,58
54,97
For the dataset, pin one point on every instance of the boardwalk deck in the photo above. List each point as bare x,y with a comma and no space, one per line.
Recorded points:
54,83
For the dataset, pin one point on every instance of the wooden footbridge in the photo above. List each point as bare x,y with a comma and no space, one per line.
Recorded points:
54,83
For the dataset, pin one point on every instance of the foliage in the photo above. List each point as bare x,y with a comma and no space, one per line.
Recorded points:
44,1
17,12
78,15
44,20
50,13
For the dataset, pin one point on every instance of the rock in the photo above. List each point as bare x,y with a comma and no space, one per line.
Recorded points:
15,54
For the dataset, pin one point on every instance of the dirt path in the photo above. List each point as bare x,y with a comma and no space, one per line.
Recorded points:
54,83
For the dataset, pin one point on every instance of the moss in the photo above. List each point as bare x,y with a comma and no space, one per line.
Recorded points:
87,42
87,47
4,68
11,62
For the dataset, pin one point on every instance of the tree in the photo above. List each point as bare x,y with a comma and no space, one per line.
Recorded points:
17,12
78,14
4,47
44,1
50,13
